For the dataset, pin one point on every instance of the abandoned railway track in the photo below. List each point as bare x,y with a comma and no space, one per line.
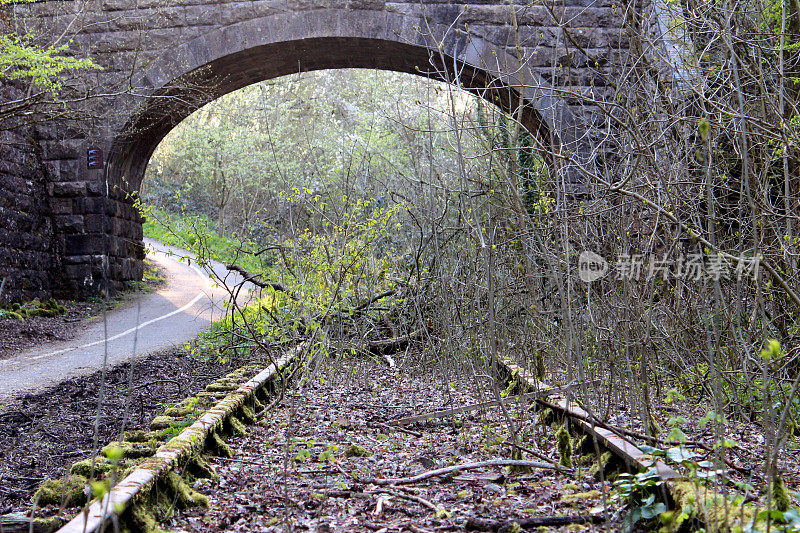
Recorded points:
342,448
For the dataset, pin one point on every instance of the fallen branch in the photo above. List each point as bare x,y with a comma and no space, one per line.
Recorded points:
367,303
388,346
256,280
411,497
541,456
484,524
400,429
465,466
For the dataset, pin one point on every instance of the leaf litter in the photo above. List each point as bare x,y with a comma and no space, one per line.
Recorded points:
311,463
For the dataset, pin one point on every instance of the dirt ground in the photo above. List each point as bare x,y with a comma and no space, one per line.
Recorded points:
314,461
41,435
20,335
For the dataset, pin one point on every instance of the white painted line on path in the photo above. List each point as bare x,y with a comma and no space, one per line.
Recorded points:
201,294
126,332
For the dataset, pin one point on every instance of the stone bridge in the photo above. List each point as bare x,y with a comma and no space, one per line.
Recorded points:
162,59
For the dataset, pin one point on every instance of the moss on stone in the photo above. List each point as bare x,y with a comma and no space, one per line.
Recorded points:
162,422
237,426
189,406
210,397
177,411
200,468
182,494
138,518
564,446
354,450
47,525
257,405
218,446
239,374
222,385
136,435
84,467
162,435
247,415
40,312
130,450
67,492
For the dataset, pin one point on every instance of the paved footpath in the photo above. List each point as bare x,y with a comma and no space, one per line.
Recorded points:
184,306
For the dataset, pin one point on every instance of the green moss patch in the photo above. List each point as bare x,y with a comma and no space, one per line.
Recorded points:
580,496
200,468
181,493
67,492
136,435
247,415
84,468
603,466
716,511
165,422
564,445
354,450
237,426
46,525
130,450
218,446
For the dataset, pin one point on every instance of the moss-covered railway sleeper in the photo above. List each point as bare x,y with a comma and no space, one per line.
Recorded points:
177,452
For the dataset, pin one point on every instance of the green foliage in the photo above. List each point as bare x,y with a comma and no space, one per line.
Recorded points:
197,234
21,59
322,272
639,492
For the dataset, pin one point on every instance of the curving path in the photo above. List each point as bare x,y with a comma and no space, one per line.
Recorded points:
176,313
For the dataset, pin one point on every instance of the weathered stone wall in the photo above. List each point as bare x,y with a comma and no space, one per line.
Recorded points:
161,59
27,258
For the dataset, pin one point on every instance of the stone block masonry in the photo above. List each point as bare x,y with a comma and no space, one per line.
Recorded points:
27,261
75,230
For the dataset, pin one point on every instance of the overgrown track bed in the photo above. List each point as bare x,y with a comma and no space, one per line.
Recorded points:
319,460
712,480
41,435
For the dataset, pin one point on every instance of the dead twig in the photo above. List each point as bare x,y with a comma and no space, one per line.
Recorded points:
400,429
465,466
484,524
256,280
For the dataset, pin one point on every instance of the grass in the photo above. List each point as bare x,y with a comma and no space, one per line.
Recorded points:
197,234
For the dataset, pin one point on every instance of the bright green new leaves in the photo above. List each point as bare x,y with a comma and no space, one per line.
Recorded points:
772,351
20,60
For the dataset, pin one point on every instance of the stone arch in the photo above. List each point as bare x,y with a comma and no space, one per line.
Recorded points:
229,58
98,229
